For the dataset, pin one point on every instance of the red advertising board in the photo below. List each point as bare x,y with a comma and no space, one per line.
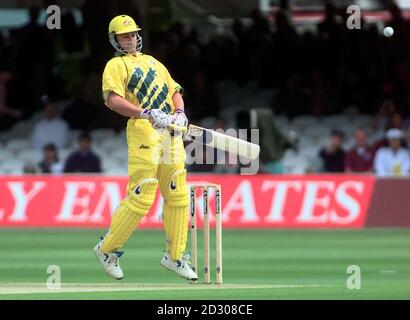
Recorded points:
261,201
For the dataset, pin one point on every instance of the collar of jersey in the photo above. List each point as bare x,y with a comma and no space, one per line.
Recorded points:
119,54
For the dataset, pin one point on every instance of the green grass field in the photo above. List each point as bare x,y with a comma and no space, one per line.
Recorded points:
258,264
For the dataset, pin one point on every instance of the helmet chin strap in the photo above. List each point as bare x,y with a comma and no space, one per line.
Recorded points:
129,51
119,49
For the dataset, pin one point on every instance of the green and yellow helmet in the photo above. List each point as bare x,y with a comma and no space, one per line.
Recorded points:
120,25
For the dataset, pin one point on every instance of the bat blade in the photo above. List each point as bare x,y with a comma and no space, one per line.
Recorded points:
222,142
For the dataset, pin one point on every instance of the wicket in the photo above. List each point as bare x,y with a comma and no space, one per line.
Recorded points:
218,231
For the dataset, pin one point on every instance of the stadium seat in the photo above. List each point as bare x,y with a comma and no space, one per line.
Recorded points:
348,143
306,140
64,153
112,149
375,136
281,121
6,155
73,139
309,151
297,165
305,121
21,129
18,144
336,121
32,155
101,134
315,132
14,167
118,170
108,163
111,143
294,162
37,116
118,153
362,120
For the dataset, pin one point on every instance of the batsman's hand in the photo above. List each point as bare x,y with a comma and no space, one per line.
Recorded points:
158,118
180,119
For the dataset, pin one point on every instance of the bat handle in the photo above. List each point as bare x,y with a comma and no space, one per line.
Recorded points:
177,128
171,126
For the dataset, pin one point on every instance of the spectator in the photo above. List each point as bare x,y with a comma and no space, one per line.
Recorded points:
392,160
395,121
333,155
52,129
51,162
80,105
203,99
30,168
72,35
32,70
83,160
407,135
384,114
360,157
293,99
8,115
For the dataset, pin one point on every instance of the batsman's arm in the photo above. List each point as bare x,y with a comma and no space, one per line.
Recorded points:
120,105
178,101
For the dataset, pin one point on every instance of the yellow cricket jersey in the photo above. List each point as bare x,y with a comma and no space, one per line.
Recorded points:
142,80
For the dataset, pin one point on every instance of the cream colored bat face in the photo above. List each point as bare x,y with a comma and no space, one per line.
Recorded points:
222,142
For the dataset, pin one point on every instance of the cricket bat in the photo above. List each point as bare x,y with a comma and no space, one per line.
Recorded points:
219,141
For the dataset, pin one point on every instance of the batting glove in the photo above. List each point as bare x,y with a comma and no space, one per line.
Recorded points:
180,119
158,118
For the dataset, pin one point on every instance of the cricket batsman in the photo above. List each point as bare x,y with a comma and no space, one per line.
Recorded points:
138,86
